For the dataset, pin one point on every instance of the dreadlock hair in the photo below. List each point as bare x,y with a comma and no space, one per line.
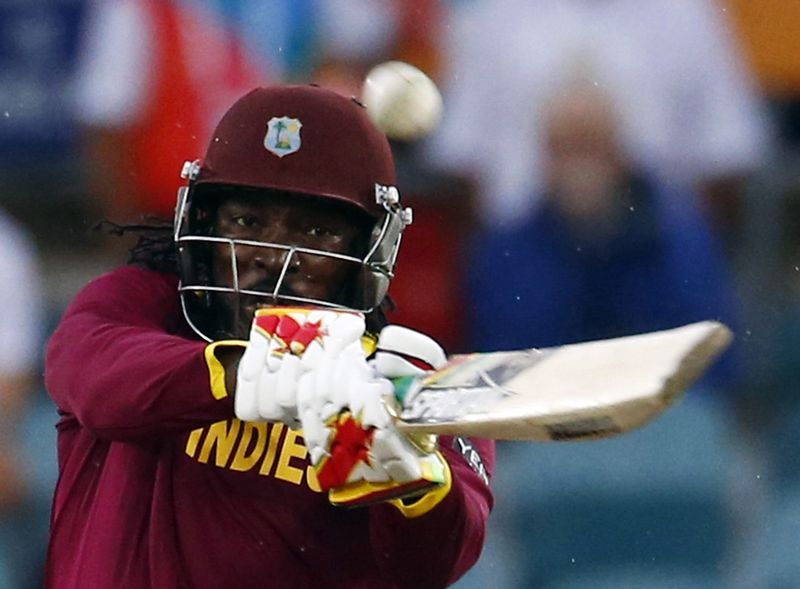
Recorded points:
155,247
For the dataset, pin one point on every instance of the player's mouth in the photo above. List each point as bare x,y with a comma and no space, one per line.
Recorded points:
270,298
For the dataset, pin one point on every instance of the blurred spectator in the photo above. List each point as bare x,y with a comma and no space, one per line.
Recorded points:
689,112
156,75
609,251
20,344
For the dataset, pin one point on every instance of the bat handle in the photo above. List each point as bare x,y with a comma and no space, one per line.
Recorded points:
405,387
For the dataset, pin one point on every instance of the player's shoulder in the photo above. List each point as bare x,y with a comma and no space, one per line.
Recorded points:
130,295
133,274
130,283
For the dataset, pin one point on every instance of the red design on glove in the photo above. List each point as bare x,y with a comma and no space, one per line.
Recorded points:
267,323
350,445
305,335
294,336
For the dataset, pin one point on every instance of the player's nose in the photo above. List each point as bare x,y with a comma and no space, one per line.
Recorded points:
270,260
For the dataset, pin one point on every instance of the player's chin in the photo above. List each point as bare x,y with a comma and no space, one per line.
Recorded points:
290,295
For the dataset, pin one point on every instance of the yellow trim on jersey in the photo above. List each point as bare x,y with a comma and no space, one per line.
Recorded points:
429,500
216,371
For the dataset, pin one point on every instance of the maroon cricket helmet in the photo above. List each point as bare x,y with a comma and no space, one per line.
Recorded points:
301,139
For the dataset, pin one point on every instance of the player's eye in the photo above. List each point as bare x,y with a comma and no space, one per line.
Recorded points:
245,221
320,231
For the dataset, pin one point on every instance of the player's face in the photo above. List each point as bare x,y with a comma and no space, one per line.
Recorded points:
583,157
291,221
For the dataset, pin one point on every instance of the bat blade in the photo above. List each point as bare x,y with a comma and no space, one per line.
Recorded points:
579,391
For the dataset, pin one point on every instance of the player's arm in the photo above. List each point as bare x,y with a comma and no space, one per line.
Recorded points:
113,364
433,541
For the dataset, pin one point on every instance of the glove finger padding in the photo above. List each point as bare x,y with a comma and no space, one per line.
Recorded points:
342,331
284,345
249,371
404,352
245,401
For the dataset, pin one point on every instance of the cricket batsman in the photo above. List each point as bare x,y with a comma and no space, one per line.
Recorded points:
227,399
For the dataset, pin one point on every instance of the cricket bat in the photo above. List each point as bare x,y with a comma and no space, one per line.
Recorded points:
580,391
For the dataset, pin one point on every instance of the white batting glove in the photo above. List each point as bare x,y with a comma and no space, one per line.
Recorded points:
285,344
404,352
347,409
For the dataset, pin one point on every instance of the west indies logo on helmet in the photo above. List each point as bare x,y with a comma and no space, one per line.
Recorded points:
283,135
305,143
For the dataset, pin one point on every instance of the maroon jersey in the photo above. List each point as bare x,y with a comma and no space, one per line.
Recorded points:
161,487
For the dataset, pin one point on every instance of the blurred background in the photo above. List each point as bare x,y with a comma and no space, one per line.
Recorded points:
604,167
